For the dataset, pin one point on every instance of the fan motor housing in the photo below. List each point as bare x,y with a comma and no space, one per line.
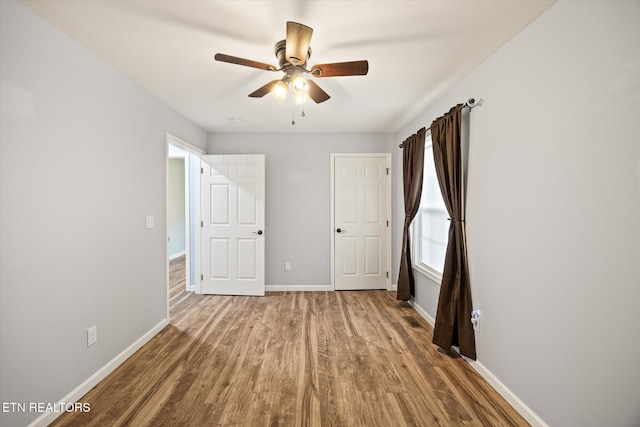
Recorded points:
280,49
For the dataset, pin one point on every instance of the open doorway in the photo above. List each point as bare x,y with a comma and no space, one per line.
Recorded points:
182,215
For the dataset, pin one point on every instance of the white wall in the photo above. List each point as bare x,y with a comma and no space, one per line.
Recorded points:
176,206
554,212
298,220
82,163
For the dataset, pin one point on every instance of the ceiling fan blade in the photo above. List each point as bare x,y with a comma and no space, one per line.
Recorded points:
298,40
246,62
259,93
316,93
353,68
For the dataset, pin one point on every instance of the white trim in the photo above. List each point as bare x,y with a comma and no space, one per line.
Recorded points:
416,239
174,140
333,156
430,320
166,218
394,287
190,149
517,404
390,286
185,157
333,223
187,220
77,393
504,391
177,255
302,288
196,214
430,273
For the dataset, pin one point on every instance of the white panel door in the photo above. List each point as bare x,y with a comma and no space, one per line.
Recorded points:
361,203
232,238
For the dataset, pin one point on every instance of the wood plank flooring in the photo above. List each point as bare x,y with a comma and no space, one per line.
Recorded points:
292,359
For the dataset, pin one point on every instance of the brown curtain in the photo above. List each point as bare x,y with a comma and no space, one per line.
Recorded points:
453,318
412,172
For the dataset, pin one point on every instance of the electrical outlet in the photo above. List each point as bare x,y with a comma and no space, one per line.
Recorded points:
150,222
92,335
287,266
475,320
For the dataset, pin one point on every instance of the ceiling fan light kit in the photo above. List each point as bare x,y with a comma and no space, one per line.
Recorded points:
280,90
299,85
293,55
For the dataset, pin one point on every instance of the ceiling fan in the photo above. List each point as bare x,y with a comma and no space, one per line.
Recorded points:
293,54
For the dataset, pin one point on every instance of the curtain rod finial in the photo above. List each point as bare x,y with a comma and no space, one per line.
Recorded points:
472,102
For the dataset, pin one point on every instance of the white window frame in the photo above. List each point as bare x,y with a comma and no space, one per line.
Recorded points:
416,237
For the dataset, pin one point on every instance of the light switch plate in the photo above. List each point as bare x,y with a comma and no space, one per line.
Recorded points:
92,335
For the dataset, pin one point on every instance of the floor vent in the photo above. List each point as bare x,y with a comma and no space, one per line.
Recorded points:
412,321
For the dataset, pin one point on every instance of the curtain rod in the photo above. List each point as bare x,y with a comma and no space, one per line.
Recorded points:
470,104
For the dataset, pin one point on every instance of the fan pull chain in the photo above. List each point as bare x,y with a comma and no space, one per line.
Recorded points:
293,108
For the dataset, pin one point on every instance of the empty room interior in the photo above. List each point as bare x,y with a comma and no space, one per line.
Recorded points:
376,213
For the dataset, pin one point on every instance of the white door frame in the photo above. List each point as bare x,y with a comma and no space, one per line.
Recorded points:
332,207
184,156
180,143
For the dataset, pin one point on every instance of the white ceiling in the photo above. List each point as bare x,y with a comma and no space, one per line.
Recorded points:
416,51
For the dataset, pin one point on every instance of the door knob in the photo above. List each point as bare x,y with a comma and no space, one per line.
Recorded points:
340,230
259,232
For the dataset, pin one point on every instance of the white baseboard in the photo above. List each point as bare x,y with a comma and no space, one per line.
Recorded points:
177,255
430,320
308,288
526,412
48,417
394,287
517,404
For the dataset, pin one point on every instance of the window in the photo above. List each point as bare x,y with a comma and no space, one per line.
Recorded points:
431,225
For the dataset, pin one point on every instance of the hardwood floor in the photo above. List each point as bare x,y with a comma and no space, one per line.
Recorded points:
292,359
